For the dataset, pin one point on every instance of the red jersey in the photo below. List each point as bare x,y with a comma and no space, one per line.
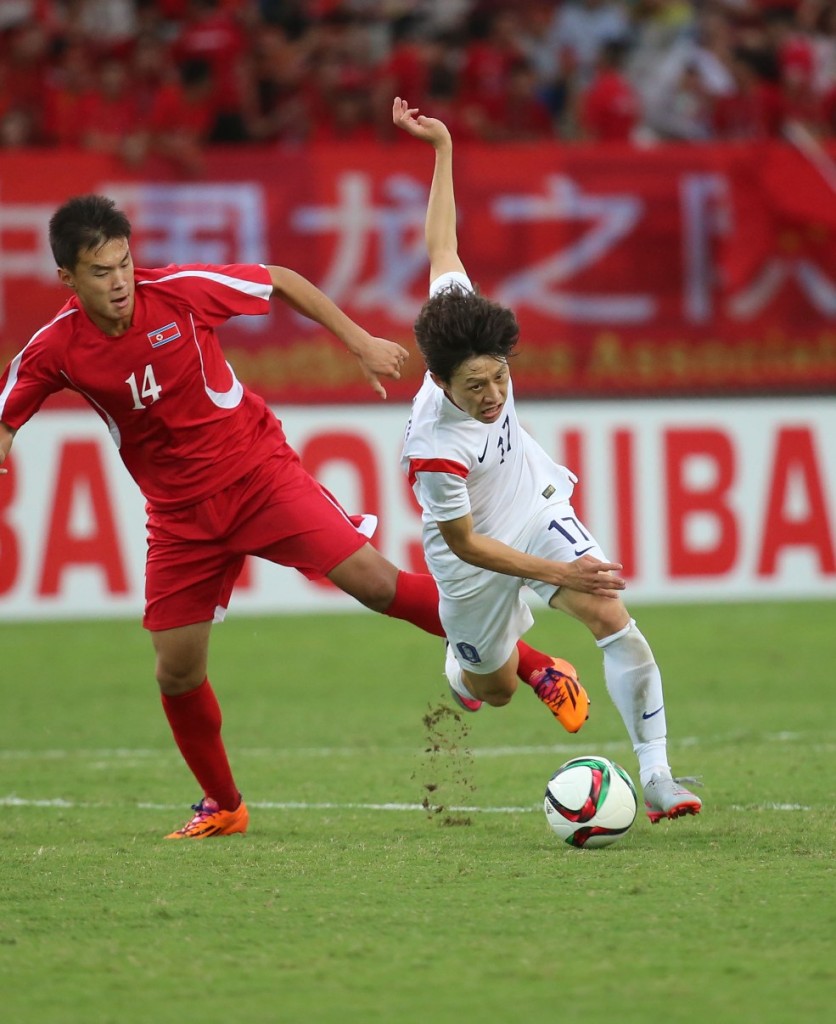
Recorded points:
610,108
184,425
173,113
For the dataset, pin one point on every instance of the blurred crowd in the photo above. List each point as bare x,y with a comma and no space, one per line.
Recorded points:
168,77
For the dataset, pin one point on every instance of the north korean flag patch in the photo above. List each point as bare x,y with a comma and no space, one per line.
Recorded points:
163,335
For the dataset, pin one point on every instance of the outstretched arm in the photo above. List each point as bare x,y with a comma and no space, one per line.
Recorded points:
587,574
440,224
6,437
377,356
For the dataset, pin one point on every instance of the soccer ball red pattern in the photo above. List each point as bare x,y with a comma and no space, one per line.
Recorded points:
590,802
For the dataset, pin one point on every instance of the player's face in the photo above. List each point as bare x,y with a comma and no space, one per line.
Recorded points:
479,387
103,279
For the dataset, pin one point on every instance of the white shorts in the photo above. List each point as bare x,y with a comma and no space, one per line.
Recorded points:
485,614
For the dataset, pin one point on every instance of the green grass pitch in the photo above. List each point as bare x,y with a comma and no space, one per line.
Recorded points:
398,867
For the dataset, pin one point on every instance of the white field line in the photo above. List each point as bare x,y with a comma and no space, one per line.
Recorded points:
295,805
118,754
315,753
265,805
102,757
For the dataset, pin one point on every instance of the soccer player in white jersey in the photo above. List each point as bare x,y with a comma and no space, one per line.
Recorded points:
212,461
496,509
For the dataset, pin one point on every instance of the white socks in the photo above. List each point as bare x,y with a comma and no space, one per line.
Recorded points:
635,685
453,671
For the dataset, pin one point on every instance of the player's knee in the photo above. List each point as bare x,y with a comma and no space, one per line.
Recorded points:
498,699
376,593
605,617
496,692
368,578
175,678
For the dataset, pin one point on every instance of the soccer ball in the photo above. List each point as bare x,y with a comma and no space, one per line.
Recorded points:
590,802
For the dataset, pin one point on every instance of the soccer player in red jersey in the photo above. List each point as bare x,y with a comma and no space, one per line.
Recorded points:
212,461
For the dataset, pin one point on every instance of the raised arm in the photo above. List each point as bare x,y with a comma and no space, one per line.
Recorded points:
440,224
377,356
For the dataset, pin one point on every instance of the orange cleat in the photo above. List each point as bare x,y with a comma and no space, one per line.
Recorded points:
558,688
210,820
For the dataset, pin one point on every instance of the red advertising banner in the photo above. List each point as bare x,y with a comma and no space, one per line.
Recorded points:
679,270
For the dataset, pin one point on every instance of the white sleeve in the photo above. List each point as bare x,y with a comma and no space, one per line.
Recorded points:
443,496
452,279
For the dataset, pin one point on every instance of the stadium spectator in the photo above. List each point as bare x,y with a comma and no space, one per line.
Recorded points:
425,63
792,38
182,118
67,89
579,29
350,117
273,101
339,60
534,18
657,28
212,35
286,71
755,109
696,71
493,50
610,110
111,122
151,69
25,59
682,111
15,128
517,113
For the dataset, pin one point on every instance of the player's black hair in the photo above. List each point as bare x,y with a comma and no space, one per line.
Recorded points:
456,325
83,223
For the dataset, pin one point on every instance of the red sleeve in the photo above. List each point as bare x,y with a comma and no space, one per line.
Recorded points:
214,292
29,379
417,466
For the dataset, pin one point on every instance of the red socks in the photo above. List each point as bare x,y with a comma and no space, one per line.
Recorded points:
195,720
416,601
530,661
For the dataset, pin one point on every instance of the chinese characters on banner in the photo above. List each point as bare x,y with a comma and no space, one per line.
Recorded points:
682,270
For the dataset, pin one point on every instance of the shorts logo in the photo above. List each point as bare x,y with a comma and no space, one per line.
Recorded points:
163,335
469,653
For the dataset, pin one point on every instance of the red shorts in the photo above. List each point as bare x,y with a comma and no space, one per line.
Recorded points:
277,511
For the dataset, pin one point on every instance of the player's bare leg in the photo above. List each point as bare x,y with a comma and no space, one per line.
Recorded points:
182,656
380,585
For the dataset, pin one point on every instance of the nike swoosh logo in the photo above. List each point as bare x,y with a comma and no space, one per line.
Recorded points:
583,551
652,713
481,458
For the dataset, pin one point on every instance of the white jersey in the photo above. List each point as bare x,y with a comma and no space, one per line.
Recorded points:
456,465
